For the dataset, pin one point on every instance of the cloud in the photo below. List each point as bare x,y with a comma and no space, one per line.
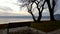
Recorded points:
7,14
5,8
14,14
11,8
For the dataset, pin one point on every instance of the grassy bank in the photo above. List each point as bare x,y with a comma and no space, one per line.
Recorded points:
46,26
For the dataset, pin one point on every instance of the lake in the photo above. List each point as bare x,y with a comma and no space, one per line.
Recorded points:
21,19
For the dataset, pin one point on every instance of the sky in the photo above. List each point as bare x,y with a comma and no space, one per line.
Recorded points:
12,8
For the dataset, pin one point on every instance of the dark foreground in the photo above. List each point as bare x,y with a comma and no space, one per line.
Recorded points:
45,26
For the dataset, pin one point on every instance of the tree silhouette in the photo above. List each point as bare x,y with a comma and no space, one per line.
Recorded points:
39,7
51,10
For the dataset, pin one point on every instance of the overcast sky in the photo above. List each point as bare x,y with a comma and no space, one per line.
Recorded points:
12,8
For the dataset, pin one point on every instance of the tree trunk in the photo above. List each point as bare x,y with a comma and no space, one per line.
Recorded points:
51,10
33,17
40,14
39,17
52,15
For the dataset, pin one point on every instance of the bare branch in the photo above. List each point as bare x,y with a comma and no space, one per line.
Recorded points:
30,10
42,6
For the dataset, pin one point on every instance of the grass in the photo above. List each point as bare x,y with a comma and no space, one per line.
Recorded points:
46,26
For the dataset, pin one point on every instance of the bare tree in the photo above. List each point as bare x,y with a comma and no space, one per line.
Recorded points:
30,11
40,10
40,7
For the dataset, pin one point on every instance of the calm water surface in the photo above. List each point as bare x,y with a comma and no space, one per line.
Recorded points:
9,20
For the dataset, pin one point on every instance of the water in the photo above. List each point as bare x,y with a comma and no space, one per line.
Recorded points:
10,20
